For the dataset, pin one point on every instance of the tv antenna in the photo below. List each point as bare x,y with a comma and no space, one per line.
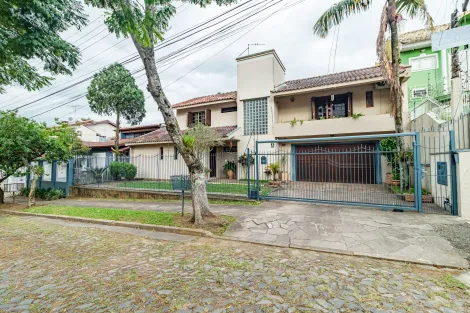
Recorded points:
251,44
75,109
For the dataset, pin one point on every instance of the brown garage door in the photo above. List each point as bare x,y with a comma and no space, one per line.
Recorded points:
337,163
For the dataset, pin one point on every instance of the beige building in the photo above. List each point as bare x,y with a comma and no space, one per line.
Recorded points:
265,107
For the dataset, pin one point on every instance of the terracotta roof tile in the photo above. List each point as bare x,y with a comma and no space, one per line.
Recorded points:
161,135
105,144
232,95
91,122
139,127
331,79
421,34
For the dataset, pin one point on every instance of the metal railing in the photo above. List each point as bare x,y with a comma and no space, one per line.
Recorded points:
153,172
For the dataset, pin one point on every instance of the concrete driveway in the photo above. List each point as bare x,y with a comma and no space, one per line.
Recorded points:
408,237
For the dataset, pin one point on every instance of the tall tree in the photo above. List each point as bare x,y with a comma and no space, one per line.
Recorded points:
24,141
29,29
114,91
389,19
146,24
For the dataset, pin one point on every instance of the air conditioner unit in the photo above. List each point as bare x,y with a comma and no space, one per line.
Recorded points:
381,85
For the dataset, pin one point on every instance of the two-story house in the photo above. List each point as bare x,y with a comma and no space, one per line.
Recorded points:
265,107
431,70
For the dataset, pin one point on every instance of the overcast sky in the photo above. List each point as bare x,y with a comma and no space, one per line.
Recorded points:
213,69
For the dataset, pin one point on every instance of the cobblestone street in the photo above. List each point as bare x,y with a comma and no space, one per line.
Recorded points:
46,267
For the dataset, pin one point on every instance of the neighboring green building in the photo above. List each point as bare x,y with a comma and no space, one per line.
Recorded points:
430,70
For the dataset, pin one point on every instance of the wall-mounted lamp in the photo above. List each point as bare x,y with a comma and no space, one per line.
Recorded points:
292,99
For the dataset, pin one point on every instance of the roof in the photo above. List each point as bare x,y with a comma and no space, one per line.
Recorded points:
421,34
140,128
232,95
106,144
331,79
161,135
91,122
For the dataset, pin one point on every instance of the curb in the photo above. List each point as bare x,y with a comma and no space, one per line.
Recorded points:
208,234
343,252
159,228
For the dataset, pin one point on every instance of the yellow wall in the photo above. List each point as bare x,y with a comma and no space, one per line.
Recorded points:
301,108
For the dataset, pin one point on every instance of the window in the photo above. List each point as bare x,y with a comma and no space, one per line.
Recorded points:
419,93
176,154
424,62
369,99
229,109
255,116
198,117
203,117
161,153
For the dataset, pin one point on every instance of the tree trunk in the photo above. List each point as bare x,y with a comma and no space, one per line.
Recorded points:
2,196
32,191
116,138
396,89
195,166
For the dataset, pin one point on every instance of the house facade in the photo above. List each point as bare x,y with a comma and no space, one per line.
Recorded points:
266,107
431,70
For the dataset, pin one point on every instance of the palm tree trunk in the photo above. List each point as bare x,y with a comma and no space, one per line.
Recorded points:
396,90
116,137
195,166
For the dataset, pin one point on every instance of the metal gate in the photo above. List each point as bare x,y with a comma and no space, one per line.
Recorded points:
367,171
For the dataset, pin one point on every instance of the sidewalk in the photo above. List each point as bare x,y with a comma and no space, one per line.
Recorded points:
410,237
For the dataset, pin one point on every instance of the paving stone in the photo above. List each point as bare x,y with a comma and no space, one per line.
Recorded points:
100,271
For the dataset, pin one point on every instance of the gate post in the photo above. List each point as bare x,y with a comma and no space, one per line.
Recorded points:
453,173
257,171
417,166
248,171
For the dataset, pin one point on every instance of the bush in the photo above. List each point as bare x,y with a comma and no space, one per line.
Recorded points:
45,194
122,169
131,171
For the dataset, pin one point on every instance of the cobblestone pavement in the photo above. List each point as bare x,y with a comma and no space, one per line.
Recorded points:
52,268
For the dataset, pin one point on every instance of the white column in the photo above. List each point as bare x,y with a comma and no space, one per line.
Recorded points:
463,183
445,73
456,101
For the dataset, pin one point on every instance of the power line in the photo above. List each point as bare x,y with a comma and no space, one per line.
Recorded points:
135,56
160,46
286,6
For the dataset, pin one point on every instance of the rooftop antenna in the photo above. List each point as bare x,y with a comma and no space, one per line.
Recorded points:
254,44
75,109
251,44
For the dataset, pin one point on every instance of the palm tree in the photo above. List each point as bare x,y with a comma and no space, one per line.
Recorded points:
389,19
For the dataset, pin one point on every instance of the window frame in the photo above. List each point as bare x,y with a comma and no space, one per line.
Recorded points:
198,114
371,93
419,88
424,56
229,109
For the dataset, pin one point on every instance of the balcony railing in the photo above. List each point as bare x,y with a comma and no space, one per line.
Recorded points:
382,123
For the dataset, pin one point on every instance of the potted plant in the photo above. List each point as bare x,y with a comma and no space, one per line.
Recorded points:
274,168
426,196
230,168
395,176
207,172
283,174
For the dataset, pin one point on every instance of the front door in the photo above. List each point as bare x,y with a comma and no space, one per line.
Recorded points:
213,162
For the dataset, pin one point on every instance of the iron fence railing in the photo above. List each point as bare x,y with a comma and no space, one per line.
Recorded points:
224,173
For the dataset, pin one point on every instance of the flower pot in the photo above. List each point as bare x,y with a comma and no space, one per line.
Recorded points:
388,178
230,174
395,182
284,176
424,198
274,183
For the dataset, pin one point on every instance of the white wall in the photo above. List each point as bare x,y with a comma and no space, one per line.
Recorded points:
463,183
217,117
103,129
